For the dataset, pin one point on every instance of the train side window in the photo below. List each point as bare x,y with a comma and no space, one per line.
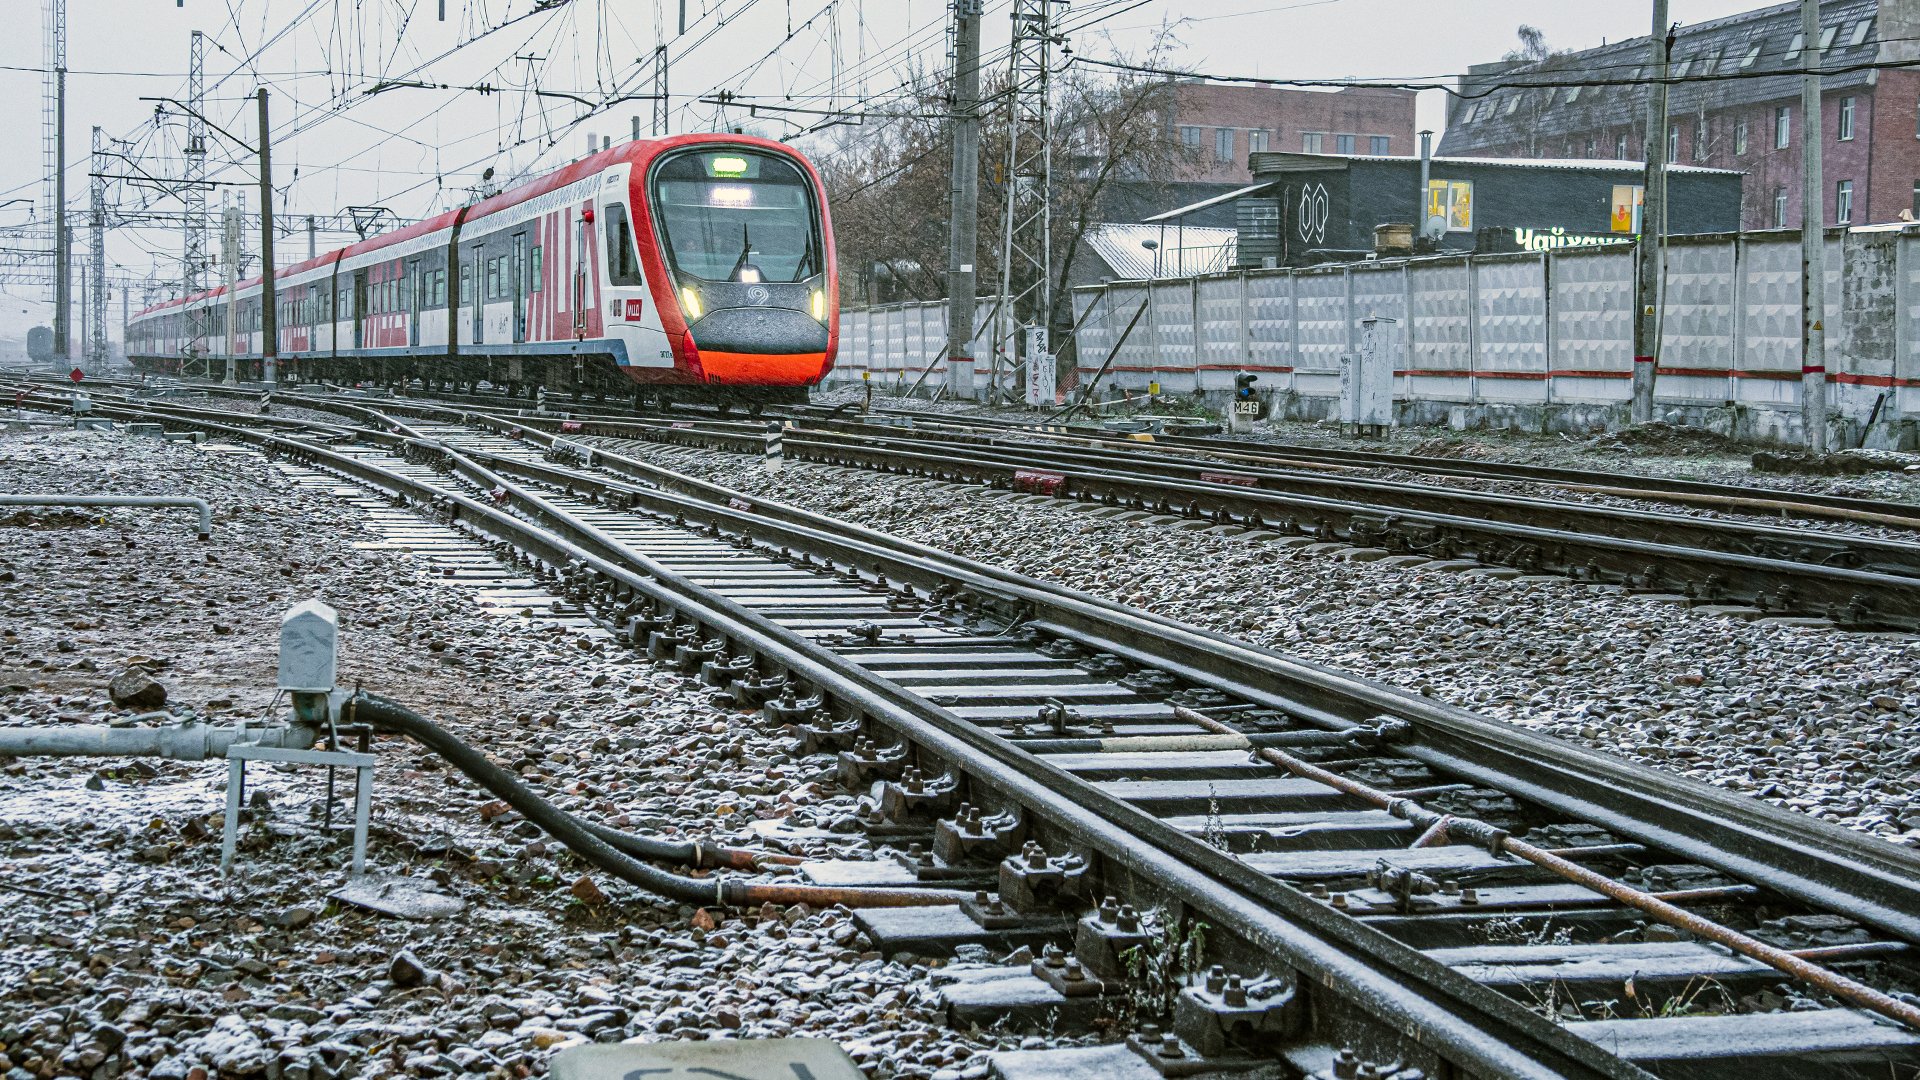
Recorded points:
623,263
493,279
535,286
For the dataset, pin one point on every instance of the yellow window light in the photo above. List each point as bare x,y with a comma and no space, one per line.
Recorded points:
728,165
690,300
820,305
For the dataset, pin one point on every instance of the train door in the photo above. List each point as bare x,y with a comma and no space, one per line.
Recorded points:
359,309
479,298
517,281
580,227
629,315
413,301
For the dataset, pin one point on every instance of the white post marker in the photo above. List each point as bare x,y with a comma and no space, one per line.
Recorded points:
776,449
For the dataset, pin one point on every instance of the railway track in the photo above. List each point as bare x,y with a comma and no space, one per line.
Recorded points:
1729,567
1239,859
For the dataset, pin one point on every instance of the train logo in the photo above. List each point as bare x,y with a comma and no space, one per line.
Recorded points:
757,295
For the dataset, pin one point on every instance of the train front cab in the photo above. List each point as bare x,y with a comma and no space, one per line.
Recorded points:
736,244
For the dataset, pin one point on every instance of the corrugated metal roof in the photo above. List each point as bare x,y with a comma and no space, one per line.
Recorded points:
1228,196
1183,251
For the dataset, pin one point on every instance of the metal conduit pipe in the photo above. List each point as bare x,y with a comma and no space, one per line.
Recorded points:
182,742
199,504
391,717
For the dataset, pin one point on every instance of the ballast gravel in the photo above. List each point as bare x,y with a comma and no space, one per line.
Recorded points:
1819,720
127,955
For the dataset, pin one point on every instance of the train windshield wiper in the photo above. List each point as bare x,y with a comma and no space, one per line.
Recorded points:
746,249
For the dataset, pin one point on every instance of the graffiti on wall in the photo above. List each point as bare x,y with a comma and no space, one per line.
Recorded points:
1313,213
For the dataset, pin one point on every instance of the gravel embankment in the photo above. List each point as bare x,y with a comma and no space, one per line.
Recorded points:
1822,721
125,952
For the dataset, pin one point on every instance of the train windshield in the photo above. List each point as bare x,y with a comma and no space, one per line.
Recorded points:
736,215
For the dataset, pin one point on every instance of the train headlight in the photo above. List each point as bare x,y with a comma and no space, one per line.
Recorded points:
690,301
820,305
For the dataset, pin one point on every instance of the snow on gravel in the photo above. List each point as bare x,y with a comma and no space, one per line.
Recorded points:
126,956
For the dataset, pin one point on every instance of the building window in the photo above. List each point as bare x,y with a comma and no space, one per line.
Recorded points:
1593,147
1453,200
1793,47
1256,142
1782,126
1190,137
1311,142
1846,119
1223,144
1780,207
1673,142
1843,203
1573,94
1343,144
1378,145
1700,139
1680,70
1513,104
1916,198
1619,148
1826,37
1753,54
1860,31
1740,136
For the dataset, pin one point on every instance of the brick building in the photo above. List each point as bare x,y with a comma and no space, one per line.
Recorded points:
1737,117
1224,124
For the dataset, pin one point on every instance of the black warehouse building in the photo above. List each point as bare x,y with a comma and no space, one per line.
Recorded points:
1304,209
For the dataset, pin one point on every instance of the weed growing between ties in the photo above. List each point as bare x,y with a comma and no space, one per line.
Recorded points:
1175,949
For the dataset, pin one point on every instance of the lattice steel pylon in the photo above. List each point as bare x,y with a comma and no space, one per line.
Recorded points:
53,43
97,255
1026,225
193,192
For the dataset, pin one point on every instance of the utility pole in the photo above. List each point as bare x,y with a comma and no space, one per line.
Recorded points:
54,151
97,229
963,235
1813,251
269,314
1650,249
193,241
312,243
230,252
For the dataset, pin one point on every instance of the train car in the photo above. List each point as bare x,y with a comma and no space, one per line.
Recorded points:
693,268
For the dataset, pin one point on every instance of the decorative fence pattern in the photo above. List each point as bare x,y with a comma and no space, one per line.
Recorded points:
1551,327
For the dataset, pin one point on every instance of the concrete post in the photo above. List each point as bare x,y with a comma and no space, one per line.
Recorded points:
1649,252
963,233
1813,253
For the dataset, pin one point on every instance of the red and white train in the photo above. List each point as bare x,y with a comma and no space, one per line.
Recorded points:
694,267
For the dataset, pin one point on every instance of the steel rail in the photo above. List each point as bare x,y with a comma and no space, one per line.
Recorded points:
1849,595
1885,556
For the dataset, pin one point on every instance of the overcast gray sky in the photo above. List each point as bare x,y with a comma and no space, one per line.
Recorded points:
419,150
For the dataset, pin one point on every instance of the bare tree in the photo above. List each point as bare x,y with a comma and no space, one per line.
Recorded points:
888,179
